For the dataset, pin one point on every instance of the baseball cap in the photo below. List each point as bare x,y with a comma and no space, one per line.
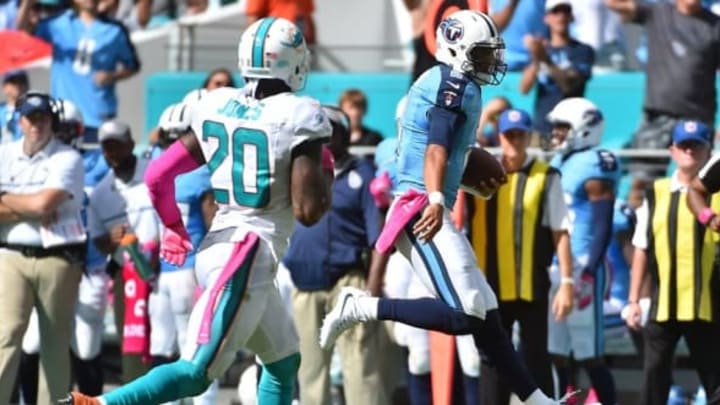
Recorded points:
514,119
35,102
551,4
16,76
114,129
690,131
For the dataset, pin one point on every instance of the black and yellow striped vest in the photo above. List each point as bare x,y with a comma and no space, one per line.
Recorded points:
681,258
513,247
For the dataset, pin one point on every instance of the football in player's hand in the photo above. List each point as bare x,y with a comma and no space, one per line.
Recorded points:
483,173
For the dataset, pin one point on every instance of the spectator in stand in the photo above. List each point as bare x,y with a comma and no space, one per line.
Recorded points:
683,57
299,12
487,131
561,67
8,14
353,103
136,14
219,77
15,84
527,19
90,54
596,25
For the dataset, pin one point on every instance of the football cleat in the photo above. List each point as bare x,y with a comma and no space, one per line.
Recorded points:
343,316
76,398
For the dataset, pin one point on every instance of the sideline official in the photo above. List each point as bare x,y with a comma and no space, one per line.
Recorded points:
42,238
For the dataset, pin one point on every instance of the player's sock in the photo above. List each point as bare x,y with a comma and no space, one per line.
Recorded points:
88,374
491,338
424,313
603,383
277,382
420,389
165,383
471,385
563,373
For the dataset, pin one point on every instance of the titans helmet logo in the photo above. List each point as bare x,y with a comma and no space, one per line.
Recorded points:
452,30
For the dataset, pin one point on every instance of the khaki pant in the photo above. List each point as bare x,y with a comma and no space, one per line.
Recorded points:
50,285
365,350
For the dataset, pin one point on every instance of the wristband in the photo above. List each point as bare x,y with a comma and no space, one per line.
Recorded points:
436,197
567,280
706,215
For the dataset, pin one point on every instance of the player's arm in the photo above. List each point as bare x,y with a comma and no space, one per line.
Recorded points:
309,187
443,126
558,221
181,157
627,9
706,183
601,194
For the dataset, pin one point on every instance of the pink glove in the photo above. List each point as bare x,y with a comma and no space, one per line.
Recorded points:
380,188
175,245
327,161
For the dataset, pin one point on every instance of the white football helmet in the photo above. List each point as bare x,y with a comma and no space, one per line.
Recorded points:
175,120
469,42
71,122
274,48
585,120
193,96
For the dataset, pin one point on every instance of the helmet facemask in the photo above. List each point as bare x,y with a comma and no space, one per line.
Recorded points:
485,62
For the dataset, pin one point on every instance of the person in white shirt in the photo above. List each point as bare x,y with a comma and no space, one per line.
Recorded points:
42,245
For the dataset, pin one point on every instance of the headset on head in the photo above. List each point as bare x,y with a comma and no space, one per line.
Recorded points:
55,107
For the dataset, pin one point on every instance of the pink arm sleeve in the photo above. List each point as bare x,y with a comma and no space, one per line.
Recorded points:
160,181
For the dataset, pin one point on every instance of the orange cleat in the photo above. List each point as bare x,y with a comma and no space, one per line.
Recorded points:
76,398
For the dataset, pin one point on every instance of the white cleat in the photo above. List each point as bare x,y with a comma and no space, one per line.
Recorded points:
344,315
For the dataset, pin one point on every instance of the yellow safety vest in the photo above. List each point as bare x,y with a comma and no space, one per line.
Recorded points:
681,257
513,247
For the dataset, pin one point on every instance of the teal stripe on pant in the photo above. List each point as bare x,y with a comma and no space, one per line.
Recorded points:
183,378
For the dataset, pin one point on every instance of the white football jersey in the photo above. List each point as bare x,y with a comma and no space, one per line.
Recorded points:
248,145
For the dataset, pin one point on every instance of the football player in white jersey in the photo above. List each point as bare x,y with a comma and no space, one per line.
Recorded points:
262,145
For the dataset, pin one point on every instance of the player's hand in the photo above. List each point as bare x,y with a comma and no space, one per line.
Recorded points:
175,245
714,223
430,222
104,77
563,302
633,315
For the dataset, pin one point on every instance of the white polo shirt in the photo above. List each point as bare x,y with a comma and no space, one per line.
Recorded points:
57,166
114,202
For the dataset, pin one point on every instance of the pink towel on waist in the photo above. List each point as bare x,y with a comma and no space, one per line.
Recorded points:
404,210
239,255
